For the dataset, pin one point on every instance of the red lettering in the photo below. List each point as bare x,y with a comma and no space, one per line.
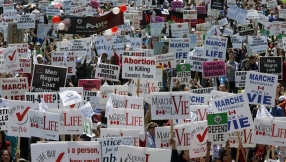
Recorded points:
184,105
135,120
74,120
51,125
183,136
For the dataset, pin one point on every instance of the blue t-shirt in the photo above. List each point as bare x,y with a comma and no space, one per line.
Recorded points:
277,111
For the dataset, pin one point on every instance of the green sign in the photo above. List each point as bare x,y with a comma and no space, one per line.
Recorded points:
183,67
217,128
265,32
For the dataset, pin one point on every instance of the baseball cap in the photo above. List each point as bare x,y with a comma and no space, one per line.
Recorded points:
38,43
78,61
281,98
39,56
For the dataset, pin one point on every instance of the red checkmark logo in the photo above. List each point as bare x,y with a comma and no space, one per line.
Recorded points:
60,157
20,116
201,137
11,57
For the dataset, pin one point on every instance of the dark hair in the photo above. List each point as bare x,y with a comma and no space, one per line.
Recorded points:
103,119
2,152
3,139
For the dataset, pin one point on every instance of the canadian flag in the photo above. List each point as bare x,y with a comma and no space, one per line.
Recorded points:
233,112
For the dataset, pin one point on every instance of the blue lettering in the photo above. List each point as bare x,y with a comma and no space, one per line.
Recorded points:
214,54
197,99
265,100
181,55
244,122
229,101
235,125
262,78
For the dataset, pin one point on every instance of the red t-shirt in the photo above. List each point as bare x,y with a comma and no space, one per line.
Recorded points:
4,147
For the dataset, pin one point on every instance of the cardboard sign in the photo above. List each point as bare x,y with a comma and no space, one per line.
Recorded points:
134,67
239,116
217,128
26,21
213,69
22,49
196,62
170,105
18,121
261,88
14,88
120,132
89,84
107,71
184,73
4,115
84,151
215,47
52,151
48,78
167,60
271,65
44,124
11,59
65,60
163,135
126,118
258,44
109,146
190,14
71,120
199,99
237,13
246,30
50,98
180,30
240,77
245,137
159,28
203,90
180,46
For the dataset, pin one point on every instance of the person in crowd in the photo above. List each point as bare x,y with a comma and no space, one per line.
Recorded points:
231,67
150,135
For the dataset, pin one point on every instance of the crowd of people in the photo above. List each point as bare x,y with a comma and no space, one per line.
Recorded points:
239,59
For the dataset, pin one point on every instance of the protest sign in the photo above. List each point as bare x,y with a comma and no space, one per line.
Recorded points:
22,49
184,73
252,14
213,69
215,47
190,14
18,124
53,151
236,41
167,60
271,4
4,115
11,59
282,13
107,71
25,66
14,88
201,111
134,53
240,77
180,46
264,20
257,44
163,135
196,62
89,84
217,128
26,21
199,99
245,138
170,105
84,151
239,116
271,65
48,78
134,67
126,118
104,92
159,29
65,59
261,88
180,30
44,124
218,4
237,13
246,30
74,92
45,31
50,98
199,139
223,22
203,90
177,4
109,146
71,120
120,132
143,153
2,67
